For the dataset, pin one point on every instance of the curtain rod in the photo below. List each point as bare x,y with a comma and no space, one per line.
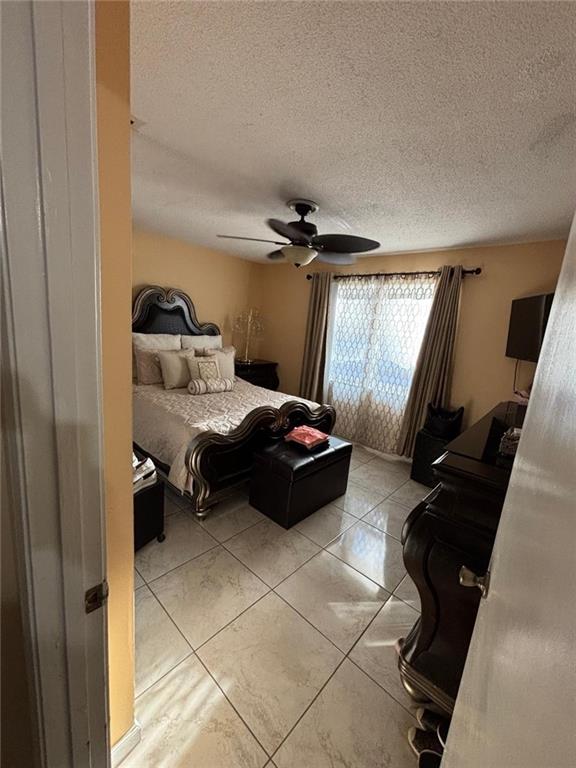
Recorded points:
471,271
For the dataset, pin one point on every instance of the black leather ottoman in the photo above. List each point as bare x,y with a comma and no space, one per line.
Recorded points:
289,483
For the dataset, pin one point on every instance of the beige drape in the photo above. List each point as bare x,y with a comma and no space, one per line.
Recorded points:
312,378
433,375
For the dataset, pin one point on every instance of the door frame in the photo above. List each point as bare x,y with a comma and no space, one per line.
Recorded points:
52,392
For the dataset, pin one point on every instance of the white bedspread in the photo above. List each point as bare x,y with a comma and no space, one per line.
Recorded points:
165,421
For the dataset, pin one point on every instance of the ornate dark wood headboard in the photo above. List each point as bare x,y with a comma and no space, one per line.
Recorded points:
168,310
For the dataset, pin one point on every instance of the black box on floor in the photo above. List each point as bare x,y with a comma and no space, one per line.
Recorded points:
149,514
427,449
289,482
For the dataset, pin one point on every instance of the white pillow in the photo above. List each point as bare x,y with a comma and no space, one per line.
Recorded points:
157,340
201,342
149,365
174,365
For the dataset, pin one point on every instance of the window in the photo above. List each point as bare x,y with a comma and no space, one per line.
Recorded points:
375,332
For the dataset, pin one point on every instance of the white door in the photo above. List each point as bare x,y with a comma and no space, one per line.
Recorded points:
516,707
51,431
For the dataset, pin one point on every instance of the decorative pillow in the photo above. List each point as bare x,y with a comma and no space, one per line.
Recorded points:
147,366
157,340
193,363
201,342
174,366
207,368
225,358
210,386
152,341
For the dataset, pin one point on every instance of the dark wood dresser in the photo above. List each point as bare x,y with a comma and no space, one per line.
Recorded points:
454,526
262,373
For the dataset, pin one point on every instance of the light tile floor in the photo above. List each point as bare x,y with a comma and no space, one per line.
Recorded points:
257,646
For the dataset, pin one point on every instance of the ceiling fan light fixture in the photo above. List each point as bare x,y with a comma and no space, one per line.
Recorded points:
299,255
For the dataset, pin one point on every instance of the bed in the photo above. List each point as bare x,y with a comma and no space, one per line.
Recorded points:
203,445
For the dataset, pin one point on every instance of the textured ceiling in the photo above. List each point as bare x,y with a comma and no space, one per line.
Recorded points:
420,124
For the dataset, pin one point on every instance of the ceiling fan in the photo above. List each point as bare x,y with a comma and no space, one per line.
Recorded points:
305,244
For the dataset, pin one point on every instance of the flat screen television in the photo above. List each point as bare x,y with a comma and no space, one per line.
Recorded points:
528,318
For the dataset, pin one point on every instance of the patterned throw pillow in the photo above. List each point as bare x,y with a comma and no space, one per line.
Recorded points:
208,369
210,386
225,358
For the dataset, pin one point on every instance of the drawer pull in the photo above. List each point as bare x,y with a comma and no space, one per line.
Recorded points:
468,578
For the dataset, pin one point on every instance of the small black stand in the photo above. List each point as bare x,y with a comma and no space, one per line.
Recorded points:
149,515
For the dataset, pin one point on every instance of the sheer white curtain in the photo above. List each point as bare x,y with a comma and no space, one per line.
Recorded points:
375,331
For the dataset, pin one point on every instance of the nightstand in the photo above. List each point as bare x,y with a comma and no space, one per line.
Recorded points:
148,512
149,515
261,373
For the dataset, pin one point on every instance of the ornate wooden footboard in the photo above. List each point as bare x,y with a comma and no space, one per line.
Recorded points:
219,463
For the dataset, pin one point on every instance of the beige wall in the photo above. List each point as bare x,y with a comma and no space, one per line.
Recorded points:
217,283
113,112
482,374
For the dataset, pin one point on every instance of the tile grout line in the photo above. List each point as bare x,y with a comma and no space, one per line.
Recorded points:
356,520
285,577
372,620
165,573
322,548
190,513
257,522
216,543
217,684
194,653
363,574
345,657
386,691
179,632
163,676
224,626
358,485
291,730
345,654
284,600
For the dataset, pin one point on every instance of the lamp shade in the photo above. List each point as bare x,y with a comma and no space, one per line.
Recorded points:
299,255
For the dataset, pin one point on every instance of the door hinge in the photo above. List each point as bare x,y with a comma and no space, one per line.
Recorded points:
95,597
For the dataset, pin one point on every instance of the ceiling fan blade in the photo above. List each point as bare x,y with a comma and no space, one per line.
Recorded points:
344,243
254,239
336,258
285,230
275,256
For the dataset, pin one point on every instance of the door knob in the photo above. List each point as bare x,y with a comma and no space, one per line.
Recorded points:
468,578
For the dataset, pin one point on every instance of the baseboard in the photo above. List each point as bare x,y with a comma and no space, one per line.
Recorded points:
126,744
